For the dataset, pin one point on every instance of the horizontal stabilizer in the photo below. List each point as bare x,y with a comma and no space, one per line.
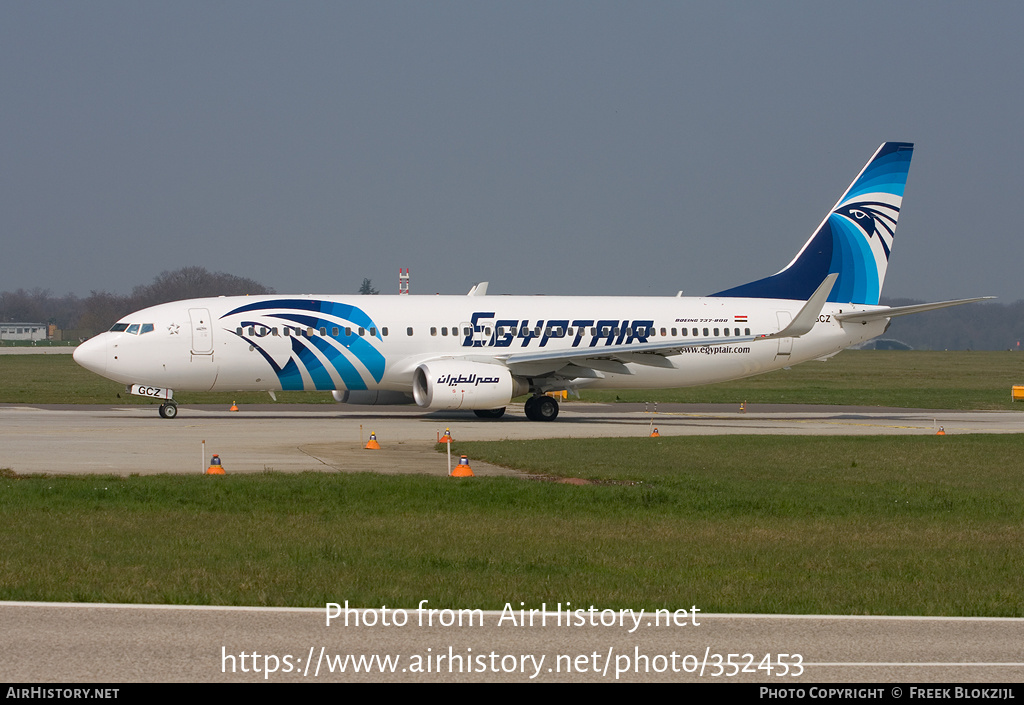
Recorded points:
865,316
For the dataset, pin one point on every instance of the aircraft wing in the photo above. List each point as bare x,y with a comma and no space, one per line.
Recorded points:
591,362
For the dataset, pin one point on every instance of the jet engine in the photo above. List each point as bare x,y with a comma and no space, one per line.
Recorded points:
463,384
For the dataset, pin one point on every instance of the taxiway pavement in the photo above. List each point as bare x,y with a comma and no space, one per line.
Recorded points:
172,643
292,438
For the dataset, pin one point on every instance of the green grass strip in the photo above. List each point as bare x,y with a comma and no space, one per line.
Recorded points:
831,525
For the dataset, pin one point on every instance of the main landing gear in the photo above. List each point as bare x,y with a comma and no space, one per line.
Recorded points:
541,408
490,413
168,410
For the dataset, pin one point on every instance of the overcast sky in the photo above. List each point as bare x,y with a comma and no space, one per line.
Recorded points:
553,147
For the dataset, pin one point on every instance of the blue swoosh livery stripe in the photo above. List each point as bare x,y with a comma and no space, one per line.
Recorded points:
316,313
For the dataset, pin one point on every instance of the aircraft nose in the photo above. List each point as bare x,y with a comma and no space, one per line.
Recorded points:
92,354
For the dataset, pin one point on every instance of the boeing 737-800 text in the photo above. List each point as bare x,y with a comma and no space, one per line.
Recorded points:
479,352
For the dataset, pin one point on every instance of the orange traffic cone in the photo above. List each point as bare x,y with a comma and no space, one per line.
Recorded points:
373,444
447,437
463,469
655,434
942,431
234,407
215,467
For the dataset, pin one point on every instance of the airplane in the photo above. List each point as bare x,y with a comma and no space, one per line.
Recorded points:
479,352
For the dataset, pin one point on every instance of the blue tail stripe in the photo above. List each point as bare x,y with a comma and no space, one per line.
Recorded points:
854,253
843,262
854,241
887,174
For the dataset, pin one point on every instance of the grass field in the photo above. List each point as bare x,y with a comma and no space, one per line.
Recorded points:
864,525
913,379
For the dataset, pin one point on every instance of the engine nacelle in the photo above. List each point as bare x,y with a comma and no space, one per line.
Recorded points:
371,397
463,384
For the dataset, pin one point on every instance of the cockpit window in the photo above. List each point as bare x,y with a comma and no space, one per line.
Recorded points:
132,328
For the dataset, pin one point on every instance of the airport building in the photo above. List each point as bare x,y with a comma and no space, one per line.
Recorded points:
23,331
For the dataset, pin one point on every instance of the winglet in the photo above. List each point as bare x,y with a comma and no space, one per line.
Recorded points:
804,321
478,289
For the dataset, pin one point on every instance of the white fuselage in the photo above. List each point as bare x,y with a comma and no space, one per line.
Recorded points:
376,342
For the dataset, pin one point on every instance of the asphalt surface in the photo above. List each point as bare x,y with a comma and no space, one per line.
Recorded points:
148,643
291,438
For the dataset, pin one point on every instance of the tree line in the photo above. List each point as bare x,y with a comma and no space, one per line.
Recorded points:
989,325
82,317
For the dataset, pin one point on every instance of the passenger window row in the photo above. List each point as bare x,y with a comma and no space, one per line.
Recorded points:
551,332
309,331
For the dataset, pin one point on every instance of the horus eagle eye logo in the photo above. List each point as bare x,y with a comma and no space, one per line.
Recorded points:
874,219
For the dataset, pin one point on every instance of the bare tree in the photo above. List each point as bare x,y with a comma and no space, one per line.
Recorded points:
24,306
192,283
101,310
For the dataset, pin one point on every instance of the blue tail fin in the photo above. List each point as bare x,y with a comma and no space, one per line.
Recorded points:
853,241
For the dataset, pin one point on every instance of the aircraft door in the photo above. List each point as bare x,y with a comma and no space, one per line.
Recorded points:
202,331
785,344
